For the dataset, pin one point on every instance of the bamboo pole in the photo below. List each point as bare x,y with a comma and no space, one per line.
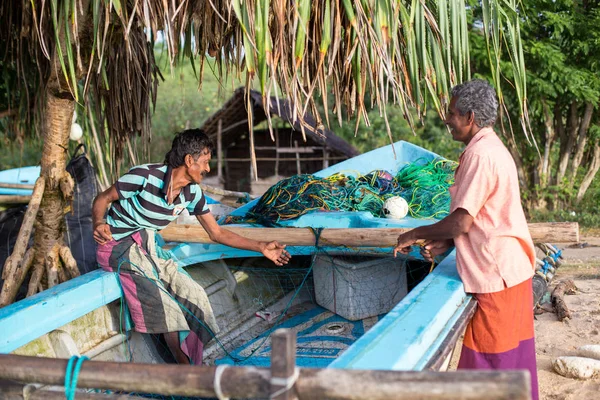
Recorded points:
253,382
351,237
223,192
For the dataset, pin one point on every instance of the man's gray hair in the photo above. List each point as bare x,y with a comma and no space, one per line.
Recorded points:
479,97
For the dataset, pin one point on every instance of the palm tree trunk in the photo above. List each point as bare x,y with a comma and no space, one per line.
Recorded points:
49,229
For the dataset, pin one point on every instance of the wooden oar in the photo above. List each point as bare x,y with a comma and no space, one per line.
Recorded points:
552,232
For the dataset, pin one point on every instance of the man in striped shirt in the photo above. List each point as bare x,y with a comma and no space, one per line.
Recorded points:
144,201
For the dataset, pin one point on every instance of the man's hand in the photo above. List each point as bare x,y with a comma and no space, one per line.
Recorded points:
276,253
405,241
102,233
433,248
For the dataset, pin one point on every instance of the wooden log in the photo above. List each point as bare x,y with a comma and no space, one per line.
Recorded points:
554,232
14,199
411,385
363,237
16,258
558,298
11,286
166,379
251,382
18,391
283,365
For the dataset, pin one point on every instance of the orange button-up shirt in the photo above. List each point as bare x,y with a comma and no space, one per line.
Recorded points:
497,252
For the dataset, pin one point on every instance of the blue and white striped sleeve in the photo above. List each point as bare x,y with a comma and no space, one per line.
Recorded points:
198,206
132,182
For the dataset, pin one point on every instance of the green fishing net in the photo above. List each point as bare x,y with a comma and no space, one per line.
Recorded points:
424,185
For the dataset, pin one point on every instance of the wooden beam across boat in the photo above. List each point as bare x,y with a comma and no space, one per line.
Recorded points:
255,382
549,232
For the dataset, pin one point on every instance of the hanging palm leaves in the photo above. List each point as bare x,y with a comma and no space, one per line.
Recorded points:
366,52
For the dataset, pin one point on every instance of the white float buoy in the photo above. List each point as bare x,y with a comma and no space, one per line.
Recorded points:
76,132
395,207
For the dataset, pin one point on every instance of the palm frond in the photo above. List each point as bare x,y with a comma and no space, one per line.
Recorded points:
368,53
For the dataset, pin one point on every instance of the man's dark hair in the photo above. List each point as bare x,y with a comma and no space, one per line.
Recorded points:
191,141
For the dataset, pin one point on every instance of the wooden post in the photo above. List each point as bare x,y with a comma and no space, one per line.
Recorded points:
283,365
299,171
325,158
276,152
220,151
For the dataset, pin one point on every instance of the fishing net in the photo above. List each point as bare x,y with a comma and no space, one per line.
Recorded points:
424,185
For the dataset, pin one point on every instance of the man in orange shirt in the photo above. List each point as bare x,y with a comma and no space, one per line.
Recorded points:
494,251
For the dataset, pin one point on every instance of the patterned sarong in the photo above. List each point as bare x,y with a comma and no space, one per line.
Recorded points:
160,297
501,334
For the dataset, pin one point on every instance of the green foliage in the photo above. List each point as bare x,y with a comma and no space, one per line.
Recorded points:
585,217
180,104
561,40
16,154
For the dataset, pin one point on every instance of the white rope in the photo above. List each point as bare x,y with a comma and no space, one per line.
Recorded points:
287,383
28,390
217,382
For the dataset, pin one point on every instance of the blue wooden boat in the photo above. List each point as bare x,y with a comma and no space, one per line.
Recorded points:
84,315
20,176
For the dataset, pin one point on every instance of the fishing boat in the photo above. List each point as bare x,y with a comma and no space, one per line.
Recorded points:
385,320
18,176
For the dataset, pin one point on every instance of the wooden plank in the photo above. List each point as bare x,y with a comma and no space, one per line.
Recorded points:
252,382
363,237
331,158
14,199
303,149
283,365
293,150
37,315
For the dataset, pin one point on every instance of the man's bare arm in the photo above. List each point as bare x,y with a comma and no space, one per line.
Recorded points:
101,203
272,250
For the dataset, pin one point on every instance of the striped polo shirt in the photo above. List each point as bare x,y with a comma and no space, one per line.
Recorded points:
143,203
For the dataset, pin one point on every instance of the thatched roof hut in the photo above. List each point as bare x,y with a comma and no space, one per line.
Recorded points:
289,154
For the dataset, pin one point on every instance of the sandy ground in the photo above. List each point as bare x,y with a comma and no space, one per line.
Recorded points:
554,338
